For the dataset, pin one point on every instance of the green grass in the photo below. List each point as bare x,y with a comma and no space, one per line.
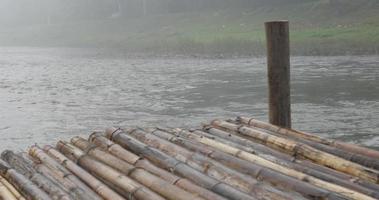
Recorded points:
316,29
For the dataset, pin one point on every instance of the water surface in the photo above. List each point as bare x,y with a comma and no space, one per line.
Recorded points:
52,94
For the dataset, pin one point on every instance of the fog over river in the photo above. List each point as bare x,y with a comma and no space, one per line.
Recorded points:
51,94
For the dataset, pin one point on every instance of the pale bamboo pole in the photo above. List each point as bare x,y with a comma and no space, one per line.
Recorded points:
144,177
134,189
288,133
262,173
25,167
308,136
67,185
304,166
52,168
10,187
27,188
235,140
112,186
76,191
5,193
254,147
266,163
100,188
163,160
208,166
304,150
99,140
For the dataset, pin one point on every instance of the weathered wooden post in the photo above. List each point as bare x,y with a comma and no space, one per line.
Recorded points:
278,65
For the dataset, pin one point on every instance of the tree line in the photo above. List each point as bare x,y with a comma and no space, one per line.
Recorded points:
25,12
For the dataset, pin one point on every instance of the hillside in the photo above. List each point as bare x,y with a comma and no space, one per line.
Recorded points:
318,27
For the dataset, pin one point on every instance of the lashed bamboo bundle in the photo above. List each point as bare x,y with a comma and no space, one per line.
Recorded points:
266,163
24,167
24,185
134,189
144,177
10,188
236,159
303,166
100,188
257,171
292,161
316,143
99,140
303,150
72,189
163,160
300,134
269,153
61,175
209,166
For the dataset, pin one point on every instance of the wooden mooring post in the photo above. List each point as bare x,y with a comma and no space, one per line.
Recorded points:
278,65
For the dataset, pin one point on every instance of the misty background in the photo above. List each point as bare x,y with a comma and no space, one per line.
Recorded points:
68,67
196,27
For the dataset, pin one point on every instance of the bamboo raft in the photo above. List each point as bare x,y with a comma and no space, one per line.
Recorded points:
238,159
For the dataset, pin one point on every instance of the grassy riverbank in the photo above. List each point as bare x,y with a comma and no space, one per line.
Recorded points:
317,28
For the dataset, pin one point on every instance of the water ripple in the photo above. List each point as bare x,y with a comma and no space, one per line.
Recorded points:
51,94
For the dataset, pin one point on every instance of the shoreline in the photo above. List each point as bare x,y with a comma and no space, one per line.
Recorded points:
121,52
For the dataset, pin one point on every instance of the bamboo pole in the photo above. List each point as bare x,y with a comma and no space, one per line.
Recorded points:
266,163
273,155
114,187
118,151
100,188
316,142
101,141
304,166
308,136
144,177
10,187
74,191
247,145
292,162
51,168
208,166
21,165
305,151
236,140
266,174
5,193
24,185
134,189
257,171
257,148
163,160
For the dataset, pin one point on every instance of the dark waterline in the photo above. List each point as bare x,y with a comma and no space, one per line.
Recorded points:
52,94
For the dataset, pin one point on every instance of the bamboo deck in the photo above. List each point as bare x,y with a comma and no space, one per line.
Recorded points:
238,159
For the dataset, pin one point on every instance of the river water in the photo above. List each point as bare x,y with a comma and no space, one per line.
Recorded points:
51,94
